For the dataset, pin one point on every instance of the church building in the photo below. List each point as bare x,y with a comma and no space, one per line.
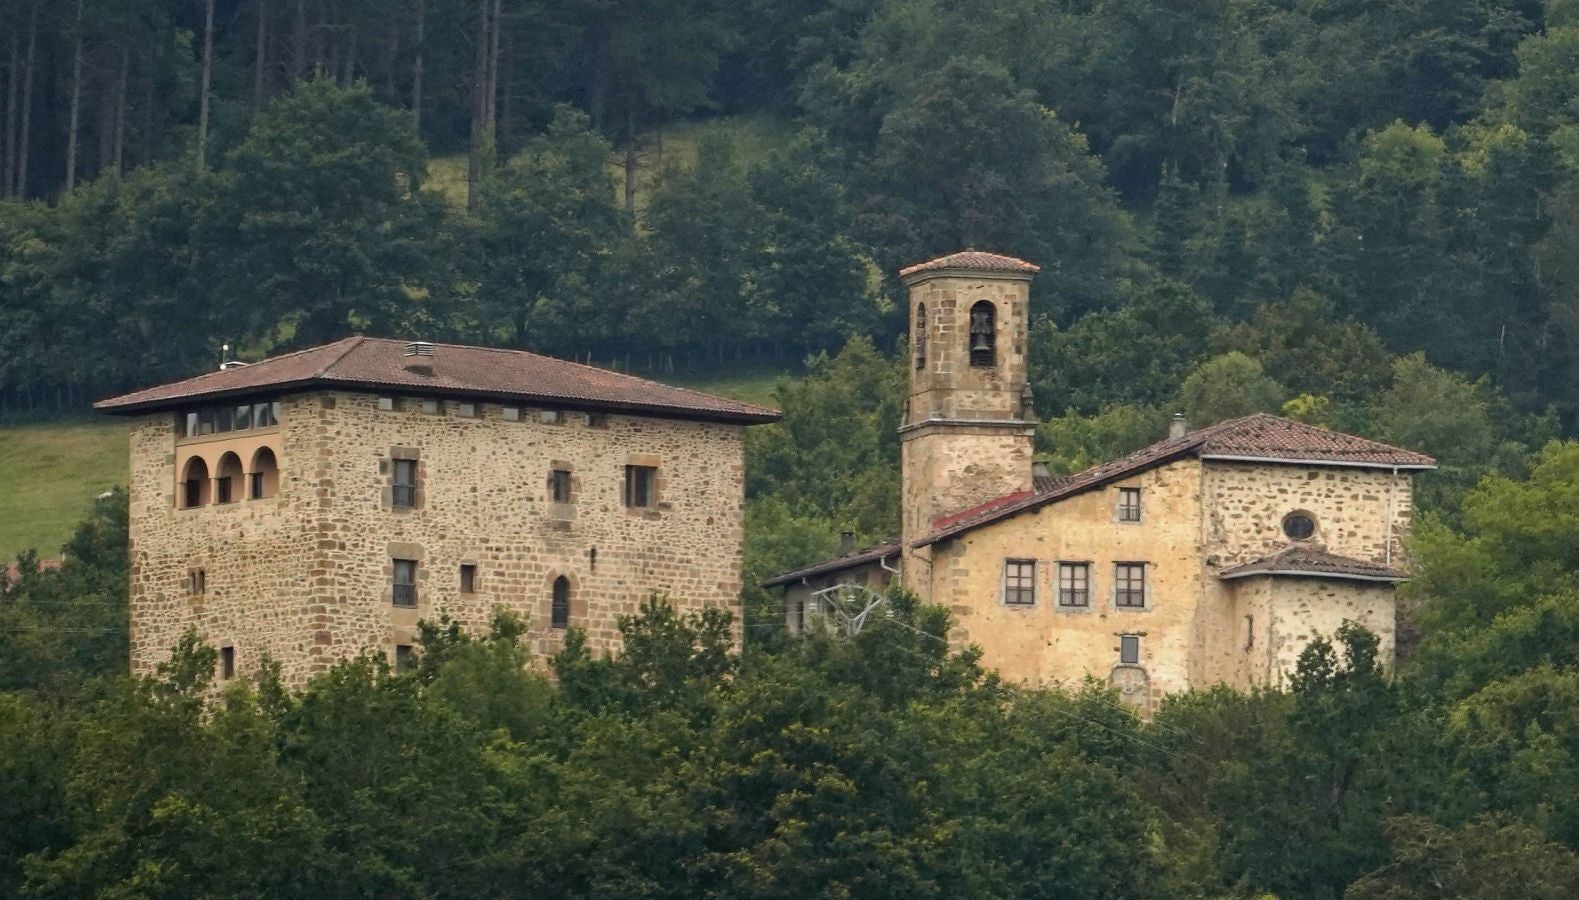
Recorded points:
318,504
1212,556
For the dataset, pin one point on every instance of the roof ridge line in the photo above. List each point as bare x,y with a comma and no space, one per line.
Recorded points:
355,341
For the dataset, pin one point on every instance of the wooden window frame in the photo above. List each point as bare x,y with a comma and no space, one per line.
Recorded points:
1125,643
1019,585
1068,591
1129,583
404,593
1129,505
634,476
403,494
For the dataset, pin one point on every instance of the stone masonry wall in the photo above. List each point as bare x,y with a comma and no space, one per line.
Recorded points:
948,385
306,576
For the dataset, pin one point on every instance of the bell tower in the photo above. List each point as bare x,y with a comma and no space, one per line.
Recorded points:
969,424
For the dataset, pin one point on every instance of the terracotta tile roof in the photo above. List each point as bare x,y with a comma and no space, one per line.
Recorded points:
1312,562
838,564
375,364
1256,437
972,259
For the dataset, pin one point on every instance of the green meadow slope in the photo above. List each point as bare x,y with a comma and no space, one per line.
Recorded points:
49,475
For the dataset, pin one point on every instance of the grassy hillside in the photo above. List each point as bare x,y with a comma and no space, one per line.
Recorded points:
749,137
49,474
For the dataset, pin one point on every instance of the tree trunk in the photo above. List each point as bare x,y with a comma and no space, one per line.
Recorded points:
207,81
350,58
121,80
25,138
74,118
299,42
260,56
474,156
630,165
13,93
416,70
495,26
507,100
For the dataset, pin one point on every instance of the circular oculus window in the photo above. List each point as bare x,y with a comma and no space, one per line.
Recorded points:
1299,526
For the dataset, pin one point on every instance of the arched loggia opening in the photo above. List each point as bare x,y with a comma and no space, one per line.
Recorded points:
227,479
194,483
264,478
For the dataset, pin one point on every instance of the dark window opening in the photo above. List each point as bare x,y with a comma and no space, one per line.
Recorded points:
1250,632
405,658
257,486
921,336
227,663
1129,649
405,583
640,485
468,579
194,483
1129,504
559,485
222,490
983,335
1129,585
1019,582
1074,584
403,483
193,494
592,559
559,614
1299,526
196,582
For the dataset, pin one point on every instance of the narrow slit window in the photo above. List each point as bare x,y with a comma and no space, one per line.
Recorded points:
1129,649
920,338
559,485
468,579
227,663
405,584
559,613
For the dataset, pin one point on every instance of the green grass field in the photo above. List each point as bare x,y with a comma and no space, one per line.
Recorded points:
49,475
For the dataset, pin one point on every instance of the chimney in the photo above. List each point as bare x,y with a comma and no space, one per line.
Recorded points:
1040,470
846,543
1178,428
419,355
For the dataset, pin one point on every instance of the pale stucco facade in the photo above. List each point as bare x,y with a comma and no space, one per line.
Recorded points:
1232,592
304,576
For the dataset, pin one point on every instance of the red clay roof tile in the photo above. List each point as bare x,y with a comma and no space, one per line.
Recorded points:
975,260
455,369
1313,562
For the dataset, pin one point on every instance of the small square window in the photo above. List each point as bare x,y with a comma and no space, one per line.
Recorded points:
1129,649
405,658
641,484
1074,584
511,413
548,416
403,483
405,584
559,485
466,410
1129,585
431,407
387,404
1019,582
1129,504
468,578
597,420
227,663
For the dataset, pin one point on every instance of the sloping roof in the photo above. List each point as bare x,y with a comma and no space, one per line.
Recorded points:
863,557
972,259
1312,562
1256,437
454,370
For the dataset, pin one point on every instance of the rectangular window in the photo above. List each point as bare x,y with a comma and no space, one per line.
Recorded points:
224,419
403,483
244,417
227,663
386,404
256,486
468,578
1129,649
194,492
405,658
263,415
1129,585
405,583
222,490
431,407
1074,584
641,484
196,582
205,421
511,413
559,485
466,410
1019,582
190,429
1129,504
548,416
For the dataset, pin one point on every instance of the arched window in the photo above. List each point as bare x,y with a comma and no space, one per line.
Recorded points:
983,334
194,483
227,479
920,340
559,614
264,479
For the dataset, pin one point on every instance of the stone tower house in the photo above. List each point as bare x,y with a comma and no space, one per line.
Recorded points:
968,429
